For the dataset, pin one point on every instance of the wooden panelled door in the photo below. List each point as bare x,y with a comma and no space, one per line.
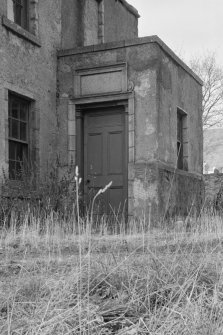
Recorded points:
105,160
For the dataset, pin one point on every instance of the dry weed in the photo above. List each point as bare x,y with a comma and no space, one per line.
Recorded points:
156,282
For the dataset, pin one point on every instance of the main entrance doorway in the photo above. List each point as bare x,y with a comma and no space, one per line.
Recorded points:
105,160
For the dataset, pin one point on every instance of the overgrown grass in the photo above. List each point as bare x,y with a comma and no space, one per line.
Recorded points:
163,281
60,274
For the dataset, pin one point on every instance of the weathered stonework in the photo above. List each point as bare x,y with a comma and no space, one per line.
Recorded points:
101,61
213,184
101,22
34,17
118,19
28,67
180,193
160,84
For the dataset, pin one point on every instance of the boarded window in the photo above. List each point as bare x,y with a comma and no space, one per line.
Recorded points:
182,140
18,135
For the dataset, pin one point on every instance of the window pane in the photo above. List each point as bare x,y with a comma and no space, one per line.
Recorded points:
12,150
15,129
25,156
179,127
25,153
18,170
18,166
10,127
179,155
23,131
18,131
23,112
24,14
15,109
12,169
18,14
19,151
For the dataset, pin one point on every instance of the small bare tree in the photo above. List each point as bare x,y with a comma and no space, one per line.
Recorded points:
212,75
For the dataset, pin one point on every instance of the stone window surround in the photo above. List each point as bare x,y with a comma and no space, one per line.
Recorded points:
34,123
30,35
125,99
101,21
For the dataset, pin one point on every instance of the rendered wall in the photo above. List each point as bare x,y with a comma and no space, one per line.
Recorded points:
81,21
142,64
180,192
28,66
91,22
158,86
120,23
178,89
72,13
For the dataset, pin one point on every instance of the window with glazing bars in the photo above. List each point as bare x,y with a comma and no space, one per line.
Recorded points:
18,135
20,8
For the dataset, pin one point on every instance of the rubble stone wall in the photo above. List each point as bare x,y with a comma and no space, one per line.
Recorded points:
213,183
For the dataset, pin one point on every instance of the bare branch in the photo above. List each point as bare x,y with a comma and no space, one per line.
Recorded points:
212,76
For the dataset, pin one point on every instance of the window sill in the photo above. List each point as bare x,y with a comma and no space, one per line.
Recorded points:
19,31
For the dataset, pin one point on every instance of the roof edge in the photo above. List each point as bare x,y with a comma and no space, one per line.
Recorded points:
179,61
128,43
130,8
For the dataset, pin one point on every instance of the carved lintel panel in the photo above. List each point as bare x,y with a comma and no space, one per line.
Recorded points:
106,79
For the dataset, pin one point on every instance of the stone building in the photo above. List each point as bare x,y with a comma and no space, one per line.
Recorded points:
77,82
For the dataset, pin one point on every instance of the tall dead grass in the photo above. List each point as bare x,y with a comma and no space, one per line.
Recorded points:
55,281
62,275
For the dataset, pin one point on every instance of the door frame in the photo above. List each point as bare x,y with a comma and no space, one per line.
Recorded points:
75,107
81,112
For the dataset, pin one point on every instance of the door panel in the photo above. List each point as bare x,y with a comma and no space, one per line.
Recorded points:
95,153
114,196
115,152
105,159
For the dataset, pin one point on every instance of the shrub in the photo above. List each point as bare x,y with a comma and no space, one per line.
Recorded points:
37,196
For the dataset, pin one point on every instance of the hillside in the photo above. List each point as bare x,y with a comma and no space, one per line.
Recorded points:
213,148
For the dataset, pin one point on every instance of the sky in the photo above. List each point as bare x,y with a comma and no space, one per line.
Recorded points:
190,28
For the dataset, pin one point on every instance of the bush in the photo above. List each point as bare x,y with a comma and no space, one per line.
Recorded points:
39,197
